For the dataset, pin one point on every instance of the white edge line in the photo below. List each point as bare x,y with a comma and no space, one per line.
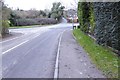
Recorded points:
9,40
16,38
56,71
15,47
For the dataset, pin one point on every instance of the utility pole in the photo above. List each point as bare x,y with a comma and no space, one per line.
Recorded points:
72,19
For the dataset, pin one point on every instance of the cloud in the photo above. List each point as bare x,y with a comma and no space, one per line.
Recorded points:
36,4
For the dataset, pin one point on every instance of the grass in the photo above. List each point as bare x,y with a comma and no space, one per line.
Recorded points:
32,26
12,27
104,59
20,27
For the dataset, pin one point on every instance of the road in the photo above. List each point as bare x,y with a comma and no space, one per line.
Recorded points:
46,52
33,54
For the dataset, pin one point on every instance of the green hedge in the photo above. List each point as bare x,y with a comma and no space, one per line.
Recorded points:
83,15
101,19
107,30
36,21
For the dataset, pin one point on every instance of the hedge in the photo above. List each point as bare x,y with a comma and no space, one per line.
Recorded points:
102,20
36,21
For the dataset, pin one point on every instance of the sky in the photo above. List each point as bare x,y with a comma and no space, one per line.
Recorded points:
37,4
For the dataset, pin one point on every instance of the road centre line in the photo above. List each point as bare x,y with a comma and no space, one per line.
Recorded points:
18,37
9,40
14,47
19,44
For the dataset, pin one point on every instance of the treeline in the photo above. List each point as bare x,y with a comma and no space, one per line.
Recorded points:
101,20
21,17
31,17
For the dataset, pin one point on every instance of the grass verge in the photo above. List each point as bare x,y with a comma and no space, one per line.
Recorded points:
12,27
104,59
31,26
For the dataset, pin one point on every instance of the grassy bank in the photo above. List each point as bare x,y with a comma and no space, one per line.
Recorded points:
12,27
103,58
31,26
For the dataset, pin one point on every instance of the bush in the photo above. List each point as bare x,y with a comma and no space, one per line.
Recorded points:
5,23
102,21
36,21
44,21
25,22
107,31
83,15
5,26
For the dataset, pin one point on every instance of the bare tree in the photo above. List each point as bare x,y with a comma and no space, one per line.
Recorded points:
75,4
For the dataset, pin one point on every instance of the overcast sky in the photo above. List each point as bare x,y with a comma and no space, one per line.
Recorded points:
37,4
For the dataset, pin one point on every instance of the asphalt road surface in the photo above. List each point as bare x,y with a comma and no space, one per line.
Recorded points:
33,54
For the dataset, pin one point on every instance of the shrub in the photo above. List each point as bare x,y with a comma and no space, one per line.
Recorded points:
107,24
36,21
101,19
83,15
25,22
5,26
44,21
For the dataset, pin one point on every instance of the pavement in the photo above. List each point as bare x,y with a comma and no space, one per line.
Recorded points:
33,54
74,62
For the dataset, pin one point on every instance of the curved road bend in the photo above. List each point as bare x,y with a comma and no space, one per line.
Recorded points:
32,55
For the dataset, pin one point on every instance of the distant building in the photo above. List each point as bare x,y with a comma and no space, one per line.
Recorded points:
73,19
71,16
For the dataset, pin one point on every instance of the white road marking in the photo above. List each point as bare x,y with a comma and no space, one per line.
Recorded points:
57,58
25,34
9,40
15,47
20,43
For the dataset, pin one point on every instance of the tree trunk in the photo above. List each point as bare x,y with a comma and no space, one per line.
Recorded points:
5,31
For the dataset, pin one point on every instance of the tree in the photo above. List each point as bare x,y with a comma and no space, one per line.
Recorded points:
74,4
47,11
83,14
57,10
5,18
42,13
13,18
0,18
